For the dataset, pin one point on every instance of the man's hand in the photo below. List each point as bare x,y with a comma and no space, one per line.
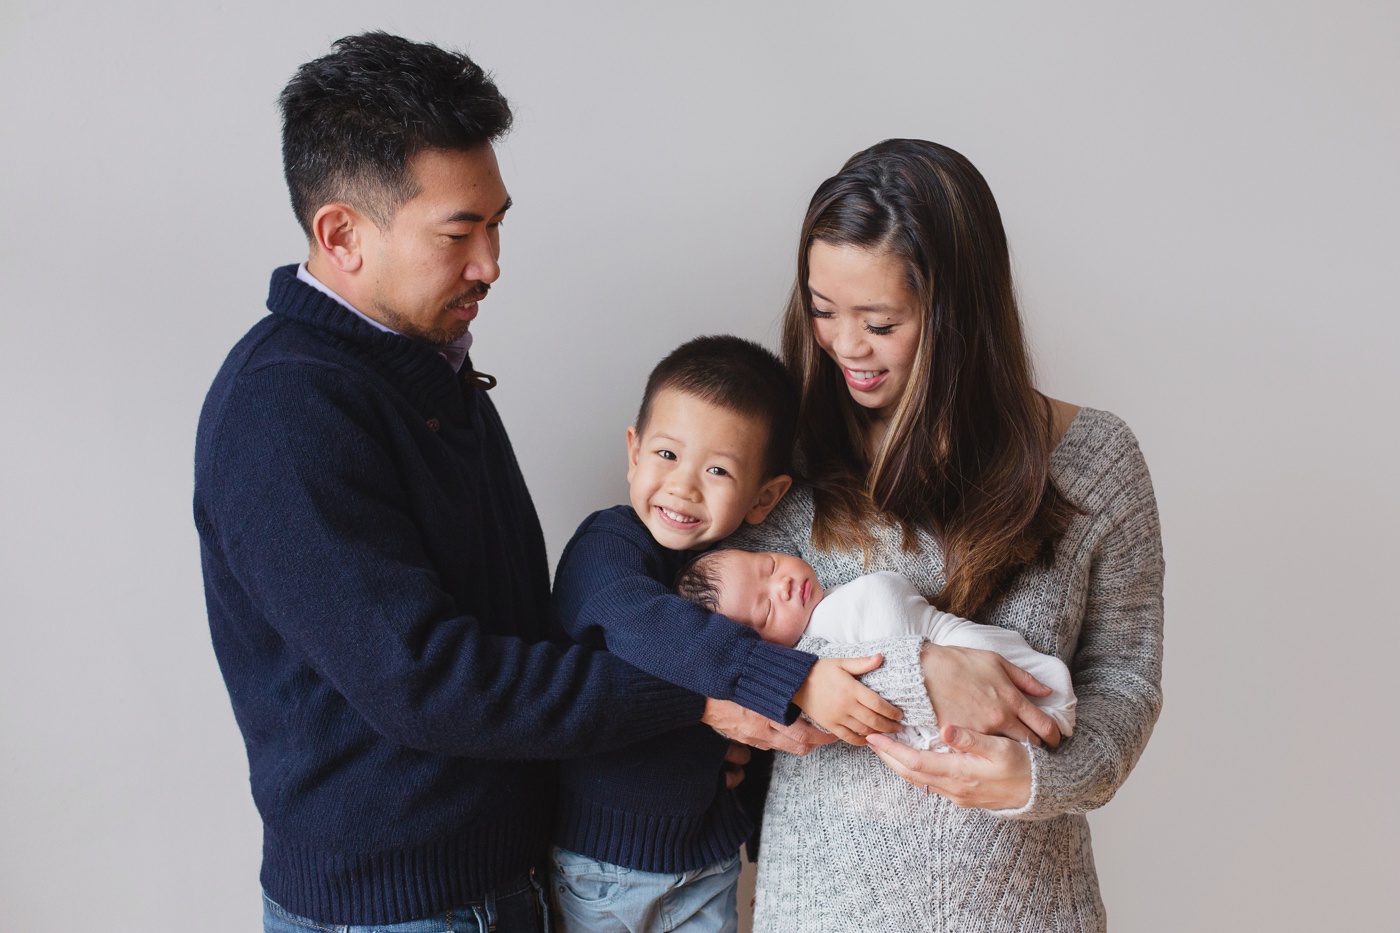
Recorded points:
986,693
742,725
735,757
833,699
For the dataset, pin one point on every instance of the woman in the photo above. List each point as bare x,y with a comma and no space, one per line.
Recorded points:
929,452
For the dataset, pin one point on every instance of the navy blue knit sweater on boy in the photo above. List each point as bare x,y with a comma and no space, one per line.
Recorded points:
660,805
378,595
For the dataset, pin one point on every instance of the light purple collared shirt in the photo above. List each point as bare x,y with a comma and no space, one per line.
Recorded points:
455,353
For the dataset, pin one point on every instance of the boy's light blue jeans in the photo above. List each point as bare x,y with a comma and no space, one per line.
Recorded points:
597,897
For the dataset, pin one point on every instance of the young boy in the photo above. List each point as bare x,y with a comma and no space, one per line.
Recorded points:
648,837
779,597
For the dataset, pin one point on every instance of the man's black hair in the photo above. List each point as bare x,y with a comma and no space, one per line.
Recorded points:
352,119
737,375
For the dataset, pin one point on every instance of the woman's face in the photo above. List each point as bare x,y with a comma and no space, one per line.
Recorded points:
866,319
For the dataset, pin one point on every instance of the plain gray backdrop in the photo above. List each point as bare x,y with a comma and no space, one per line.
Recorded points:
1203,208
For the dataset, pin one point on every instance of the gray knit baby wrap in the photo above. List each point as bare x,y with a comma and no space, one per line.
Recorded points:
848,845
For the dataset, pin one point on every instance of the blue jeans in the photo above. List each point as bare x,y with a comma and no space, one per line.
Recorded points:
518,906
599,897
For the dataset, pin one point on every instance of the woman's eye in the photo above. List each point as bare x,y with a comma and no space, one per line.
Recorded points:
665,455
879,329
818,312
718,471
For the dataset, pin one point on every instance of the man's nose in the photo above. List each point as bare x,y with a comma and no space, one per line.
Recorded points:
484,264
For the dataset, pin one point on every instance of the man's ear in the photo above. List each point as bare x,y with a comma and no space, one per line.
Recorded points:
769,495
634,450
337,237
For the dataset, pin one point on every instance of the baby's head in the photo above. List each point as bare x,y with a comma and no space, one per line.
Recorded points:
712,446
773,594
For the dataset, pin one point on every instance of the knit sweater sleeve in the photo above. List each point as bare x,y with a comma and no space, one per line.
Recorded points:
1117,666
349,588
608,593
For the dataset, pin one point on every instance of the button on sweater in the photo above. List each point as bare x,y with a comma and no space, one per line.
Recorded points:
378,596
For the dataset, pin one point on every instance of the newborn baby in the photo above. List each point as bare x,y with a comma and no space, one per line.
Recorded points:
778,596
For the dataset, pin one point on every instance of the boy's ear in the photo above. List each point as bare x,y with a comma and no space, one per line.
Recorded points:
634,450
769,494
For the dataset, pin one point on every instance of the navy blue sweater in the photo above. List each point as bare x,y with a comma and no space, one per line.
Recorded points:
660,805
378,597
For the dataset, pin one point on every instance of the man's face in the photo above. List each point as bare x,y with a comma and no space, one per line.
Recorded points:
773,594
425,272
696,472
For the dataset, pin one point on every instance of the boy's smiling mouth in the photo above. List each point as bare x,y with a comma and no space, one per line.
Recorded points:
676,518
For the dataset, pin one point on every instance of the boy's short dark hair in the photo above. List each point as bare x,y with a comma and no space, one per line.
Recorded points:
698,581
353,119
740,376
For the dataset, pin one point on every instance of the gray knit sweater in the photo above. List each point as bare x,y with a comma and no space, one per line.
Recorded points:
848,845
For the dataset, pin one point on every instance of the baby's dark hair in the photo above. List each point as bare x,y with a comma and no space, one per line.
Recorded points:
737,375
698,581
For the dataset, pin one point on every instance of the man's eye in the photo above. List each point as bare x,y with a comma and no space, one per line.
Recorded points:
718,471
665,455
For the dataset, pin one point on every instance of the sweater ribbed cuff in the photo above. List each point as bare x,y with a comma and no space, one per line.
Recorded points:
1057,783
771,679
900,679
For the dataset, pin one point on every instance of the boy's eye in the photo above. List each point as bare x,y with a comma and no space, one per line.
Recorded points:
665,455
718,471
772,565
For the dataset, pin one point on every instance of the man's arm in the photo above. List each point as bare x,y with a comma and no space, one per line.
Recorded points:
311,521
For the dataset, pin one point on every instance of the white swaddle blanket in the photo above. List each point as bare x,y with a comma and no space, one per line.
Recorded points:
879,605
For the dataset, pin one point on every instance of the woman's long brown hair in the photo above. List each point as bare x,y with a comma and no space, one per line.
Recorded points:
967,454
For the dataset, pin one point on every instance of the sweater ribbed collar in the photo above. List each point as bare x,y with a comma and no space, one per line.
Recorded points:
415,367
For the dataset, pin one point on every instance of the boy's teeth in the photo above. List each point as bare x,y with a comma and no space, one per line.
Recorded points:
676,516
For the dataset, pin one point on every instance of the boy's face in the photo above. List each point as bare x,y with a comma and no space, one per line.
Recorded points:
697,472
774,594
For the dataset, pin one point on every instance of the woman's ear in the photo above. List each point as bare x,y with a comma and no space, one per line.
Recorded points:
769,495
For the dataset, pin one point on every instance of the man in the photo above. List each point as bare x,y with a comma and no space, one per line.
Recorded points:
374,569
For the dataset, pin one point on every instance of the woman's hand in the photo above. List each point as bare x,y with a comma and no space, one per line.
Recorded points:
985,771
833,699
986,693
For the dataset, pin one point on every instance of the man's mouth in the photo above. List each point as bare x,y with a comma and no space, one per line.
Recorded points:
864,380
676,519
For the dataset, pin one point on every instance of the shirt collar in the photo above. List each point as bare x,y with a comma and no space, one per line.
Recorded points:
455,352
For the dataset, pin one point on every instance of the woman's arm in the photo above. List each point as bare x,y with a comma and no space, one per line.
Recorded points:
1117,672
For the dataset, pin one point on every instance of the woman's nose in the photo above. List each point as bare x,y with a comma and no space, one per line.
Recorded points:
850,341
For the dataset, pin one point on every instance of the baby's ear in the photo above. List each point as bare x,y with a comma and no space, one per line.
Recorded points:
769,495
